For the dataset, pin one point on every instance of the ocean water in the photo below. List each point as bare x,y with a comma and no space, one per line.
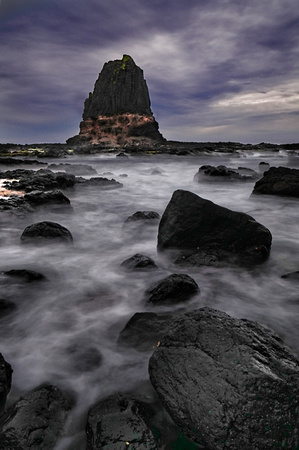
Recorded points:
65,329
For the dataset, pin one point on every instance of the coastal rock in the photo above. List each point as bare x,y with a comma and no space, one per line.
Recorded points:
148,217
99,182
144,330
35,421
173,289
6,306
25,275
56,201
279,181
227,383
196,231
118,112
75,169
5,382
225,173
46,232
139,262
40,180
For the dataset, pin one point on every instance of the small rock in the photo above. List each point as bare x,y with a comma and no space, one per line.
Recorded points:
292,275
148,217
46,232
139,262
173,289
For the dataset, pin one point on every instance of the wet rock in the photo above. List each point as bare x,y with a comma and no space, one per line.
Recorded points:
40,180
36,421
263,166
25,275
279,181
292,275
148,217
15,205
100,182
144,330
173,289
6,306
227,383
5,382
46,232
139,262
225,173
197,232
55,201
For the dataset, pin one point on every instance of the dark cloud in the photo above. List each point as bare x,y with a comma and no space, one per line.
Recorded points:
205,64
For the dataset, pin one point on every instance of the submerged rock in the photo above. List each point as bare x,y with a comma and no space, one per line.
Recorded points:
100,182
144,330
139,262
173,289
36,421
28,276
6,306
292,275
46,232
148,217
5,382
227,383
279,181
197,232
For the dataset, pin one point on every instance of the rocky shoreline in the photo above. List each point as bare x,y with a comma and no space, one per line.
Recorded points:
216,382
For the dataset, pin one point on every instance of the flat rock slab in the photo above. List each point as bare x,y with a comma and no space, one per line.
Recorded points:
279,181
175,288
46,232
5,381
228,383
196,232
35,421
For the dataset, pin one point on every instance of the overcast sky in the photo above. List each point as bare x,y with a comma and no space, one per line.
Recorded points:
217,70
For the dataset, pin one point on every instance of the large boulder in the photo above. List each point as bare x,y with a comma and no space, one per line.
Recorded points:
5,382
228,383
175,288
279,181
196,231
46,232
36,421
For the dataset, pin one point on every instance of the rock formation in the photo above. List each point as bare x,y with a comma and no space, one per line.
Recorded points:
118,112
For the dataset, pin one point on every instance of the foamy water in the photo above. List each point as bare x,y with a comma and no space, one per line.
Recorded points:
65,330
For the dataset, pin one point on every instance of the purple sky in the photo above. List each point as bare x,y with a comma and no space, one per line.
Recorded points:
217,70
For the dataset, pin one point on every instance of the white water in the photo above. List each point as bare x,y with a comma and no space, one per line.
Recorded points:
89,298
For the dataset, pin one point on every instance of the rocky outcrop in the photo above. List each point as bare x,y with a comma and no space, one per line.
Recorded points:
197,232
175,288
46,233
279,181
35,421
227,383
5,381
224,173
118,112
40,180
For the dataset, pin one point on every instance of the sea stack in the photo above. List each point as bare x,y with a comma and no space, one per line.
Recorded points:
118,112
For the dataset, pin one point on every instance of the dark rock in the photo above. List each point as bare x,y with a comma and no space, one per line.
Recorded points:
15,205
28,276
15,162
40,180
102,183
5,382
118,111
225,173
144,330
37,420
122,155
46,232
263,166
84,358
227,383
139,262
173,289
148,217
197,232
6,306
56,201
279,181
292,275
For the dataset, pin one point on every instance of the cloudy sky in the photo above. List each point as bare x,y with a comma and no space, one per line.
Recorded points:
217,70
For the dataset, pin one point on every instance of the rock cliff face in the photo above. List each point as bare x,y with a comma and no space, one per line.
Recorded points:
118,112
